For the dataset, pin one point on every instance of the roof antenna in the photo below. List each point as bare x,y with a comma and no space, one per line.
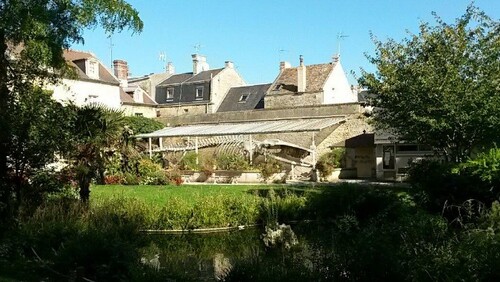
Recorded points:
162,58
197,47
340,37
111,50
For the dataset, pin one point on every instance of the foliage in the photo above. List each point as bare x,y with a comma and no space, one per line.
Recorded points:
330,160
440,87
96,131
437,183
188,162
141,125
231,162
269,168
33,35
114,179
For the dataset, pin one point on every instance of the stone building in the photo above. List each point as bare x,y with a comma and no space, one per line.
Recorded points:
198,92
306,85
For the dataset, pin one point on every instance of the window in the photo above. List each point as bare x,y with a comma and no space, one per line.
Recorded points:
244,98
139,114
92,69
388,157
199,92
170,94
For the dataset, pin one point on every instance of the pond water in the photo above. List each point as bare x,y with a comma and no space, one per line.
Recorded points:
243,255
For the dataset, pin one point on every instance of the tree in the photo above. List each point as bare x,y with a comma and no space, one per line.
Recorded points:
97,131
440,87
41,131
33,34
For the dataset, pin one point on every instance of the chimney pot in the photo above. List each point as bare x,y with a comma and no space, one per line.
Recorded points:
301,76
229,64
199,63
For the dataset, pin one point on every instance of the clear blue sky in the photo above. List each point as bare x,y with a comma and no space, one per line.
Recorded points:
251,33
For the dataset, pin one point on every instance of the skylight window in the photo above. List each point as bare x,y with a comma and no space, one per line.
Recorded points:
244,98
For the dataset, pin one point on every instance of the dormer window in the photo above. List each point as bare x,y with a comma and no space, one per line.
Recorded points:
92,68
199,93
170,94
244,98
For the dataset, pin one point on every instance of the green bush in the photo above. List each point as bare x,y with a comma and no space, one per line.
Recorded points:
131,179
188,162
329,161
231,162
140,125
269,168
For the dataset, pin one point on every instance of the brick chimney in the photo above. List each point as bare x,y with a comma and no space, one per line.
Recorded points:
284,65
199,63
301,76
120,68
170,69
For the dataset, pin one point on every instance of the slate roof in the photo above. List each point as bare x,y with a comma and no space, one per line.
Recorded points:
316,76
255,94
205,75
177,78
188,77
74,57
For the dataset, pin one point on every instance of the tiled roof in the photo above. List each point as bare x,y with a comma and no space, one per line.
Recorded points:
125,98
105,75
232,101
316,76
188,77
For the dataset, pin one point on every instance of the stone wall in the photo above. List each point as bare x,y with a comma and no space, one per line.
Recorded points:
273,101
148,111
221,84
174,116
182,111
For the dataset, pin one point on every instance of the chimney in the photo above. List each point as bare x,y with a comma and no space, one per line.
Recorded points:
229,64
284,65
170,69
301,76
199,63
120,68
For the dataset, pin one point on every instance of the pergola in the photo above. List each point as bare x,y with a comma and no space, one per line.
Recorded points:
242,132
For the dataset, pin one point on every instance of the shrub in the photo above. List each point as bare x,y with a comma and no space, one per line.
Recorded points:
269,168
188,162
140,125
114,179
131,179
232,162
174,176
329,161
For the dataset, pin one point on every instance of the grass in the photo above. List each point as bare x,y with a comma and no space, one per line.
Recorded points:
158,195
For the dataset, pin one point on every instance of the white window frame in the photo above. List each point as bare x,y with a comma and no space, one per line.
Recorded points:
170,94
244,100
200,90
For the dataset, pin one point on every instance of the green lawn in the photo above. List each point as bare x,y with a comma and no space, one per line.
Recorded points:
159,194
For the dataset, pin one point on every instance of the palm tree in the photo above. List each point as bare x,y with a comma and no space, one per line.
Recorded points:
97,130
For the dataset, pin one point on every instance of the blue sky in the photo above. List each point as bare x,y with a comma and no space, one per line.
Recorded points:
257,34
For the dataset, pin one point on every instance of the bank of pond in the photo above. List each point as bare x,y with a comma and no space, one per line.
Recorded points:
343,232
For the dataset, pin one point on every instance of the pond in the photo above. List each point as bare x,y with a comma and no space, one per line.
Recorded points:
243,255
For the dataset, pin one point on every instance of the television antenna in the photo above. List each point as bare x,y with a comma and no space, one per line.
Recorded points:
340,37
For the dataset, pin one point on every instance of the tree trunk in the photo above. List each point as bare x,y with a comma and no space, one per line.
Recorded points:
84,184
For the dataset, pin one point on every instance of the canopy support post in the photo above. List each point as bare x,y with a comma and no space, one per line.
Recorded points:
196,150
150,148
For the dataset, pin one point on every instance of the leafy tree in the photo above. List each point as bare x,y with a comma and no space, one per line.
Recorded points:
140,125
33,34
97,131
40,131
440,87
